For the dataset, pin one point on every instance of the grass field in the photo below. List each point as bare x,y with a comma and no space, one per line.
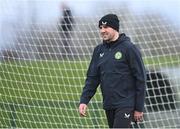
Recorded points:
42,94
45,94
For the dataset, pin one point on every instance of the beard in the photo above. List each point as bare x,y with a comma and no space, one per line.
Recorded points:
106,37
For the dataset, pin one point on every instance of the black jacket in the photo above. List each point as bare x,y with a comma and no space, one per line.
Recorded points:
119,69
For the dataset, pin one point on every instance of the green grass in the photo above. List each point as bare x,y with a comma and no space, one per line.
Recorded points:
45,94
163,61
41,94
40,80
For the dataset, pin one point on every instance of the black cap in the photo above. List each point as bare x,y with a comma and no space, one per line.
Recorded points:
110,20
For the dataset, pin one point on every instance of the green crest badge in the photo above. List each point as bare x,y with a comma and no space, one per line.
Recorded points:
118,55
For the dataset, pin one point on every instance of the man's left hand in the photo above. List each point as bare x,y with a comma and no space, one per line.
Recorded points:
138,116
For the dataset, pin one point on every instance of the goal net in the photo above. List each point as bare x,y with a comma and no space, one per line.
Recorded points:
44,60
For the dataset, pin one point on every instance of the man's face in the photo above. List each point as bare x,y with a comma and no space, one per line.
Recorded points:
107,33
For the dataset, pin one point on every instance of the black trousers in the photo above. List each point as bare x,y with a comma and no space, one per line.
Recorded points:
119,118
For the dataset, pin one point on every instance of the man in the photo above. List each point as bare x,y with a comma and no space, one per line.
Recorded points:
118,67
66,23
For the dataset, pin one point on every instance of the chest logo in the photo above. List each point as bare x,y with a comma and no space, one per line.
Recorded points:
118,55
101,54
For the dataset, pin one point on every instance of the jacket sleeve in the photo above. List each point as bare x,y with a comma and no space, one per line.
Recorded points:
139,73
92,81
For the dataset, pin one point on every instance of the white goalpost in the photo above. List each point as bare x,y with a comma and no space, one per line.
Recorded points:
43,66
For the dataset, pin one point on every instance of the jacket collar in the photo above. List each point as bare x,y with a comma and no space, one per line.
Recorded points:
122,37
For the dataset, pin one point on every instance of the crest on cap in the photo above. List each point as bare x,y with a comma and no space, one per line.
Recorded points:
104,23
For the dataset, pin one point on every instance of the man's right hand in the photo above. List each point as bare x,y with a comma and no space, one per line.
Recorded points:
82,109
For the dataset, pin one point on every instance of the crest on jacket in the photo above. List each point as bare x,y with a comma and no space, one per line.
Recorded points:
118,55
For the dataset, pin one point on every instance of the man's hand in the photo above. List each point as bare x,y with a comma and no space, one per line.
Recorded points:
82,109
138,116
